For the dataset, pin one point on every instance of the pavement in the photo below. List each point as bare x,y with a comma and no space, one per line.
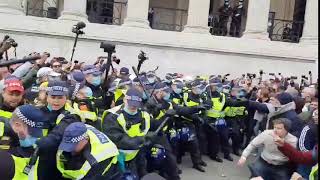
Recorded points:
215,171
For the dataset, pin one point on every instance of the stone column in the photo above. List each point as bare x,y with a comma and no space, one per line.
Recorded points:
137,14
198,17
257,19
11,7
310,28
74,10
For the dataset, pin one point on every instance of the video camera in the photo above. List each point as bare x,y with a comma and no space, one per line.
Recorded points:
77,28
251,75
142,56
304,77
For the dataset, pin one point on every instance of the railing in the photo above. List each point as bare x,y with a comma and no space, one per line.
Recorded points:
106,11
45,8
285,30
168,19
224,25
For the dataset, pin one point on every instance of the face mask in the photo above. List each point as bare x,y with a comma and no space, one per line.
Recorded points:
167,97
177,91
88,92
151,80
96,81
28,141
49,107
129,112
144,96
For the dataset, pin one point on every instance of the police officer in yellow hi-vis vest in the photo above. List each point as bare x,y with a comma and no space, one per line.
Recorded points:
11,97
27,122
216,126
235,117
122,87
127,126
160,109
87,153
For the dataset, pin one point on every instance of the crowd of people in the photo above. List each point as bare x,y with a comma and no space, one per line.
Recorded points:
61,120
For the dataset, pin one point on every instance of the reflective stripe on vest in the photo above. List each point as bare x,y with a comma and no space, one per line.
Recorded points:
101,149
216,110
20,163
85,115
4,140
189,103
314,173
134,131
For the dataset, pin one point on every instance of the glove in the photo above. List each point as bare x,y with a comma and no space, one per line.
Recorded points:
149,138
201,108
171,112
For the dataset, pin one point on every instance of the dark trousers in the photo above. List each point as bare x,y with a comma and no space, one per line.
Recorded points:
217,138
236,135
168,168
202,139
235,27
139,164
268,171
192,147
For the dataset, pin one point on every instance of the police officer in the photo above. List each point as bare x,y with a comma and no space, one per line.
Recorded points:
198,100
103,100
158,106
127,126
151,78
27,122
59,115
225,11
123,86
216,127
12,97
235,117
235,27
86,153
182,124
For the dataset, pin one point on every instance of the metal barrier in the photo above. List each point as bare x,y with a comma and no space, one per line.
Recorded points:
106,11
285,30
45,8
168,19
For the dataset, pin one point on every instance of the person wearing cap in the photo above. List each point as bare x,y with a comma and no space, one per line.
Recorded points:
124,73
216,128
12,97
235,117
86,153
181,122
152,78
272,163
127,126
27,122
120,91
160,107
94,81
76,77
280,105
59,114
83,103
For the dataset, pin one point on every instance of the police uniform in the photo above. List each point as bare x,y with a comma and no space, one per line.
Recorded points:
129,131
98,158
191,143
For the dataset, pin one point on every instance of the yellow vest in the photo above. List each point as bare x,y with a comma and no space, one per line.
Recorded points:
189,103
85,115
216,110
20,163
101,149
314,173
161,114
118,94
4,140
134,131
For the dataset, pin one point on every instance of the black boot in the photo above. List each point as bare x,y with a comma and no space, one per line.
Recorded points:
236,152
199,168
216,158
202,163
228,157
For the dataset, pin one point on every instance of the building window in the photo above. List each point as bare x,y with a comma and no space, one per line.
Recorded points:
107,11
168,15
227,18
286,20
42,8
